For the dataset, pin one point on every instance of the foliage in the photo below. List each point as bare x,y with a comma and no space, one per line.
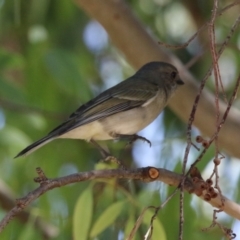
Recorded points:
50,63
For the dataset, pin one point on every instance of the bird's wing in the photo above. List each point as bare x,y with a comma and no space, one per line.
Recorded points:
117,99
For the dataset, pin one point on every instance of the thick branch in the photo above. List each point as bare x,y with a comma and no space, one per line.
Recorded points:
129,35
144,174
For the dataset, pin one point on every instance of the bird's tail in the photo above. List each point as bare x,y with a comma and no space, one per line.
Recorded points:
34,146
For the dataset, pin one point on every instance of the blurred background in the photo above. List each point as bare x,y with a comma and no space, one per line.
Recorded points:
53,58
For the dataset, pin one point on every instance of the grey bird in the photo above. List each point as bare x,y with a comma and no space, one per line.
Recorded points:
120,111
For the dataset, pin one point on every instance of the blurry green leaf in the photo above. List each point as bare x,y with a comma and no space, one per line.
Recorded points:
105,197
65,68
158,230
173,125
107,218
10,60
9,91
129,226
37,121
147,197
11,72
13,139
83,215
29,231
106,165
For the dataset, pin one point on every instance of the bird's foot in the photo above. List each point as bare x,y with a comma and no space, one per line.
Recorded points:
113,159
132,138
107,157
105,154
136,137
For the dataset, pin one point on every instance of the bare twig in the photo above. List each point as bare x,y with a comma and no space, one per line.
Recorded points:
214,15
194,108
226,231
185,44
138,223
217,78
219,125
157,209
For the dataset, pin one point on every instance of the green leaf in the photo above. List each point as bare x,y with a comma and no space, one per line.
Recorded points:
64,67
83,215
129,226
9,90
158,230
29,231
10,60
107,218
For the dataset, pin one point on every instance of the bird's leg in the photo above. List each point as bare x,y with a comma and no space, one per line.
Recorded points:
103,152
132,138
106,155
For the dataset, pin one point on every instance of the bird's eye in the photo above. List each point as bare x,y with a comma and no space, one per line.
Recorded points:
173,75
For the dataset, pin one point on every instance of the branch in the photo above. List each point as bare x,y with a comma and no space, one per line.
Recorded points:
146,174
7,203
130,37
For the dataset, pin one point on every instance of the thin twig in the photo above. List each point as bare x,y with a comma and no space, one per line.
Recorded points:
219,125
194,109
217,78
184,45
226,231
157,209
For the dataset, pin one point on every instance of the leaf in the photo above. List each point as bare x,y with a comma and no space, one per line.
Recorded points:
173,125
9,91
64,67
83,215
129,226
107,218
158,230
29,231
135,225
10,60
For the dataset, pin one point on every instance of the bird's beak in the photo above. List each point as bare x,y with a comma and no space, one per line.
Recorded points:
180,82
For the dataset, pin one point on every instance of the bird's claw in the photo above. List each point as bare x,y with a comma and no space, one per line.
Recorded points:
136,137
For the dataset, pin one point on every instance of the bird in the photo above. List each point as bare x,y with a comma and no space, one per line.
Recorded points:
121,111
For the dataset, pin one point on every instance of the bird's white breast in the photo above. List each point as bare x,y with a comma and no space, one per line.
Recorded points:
125,122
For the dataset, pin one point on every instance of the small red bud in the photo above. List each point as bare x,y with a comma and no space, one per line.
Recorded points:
205,143
207,197
209,182
199,139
